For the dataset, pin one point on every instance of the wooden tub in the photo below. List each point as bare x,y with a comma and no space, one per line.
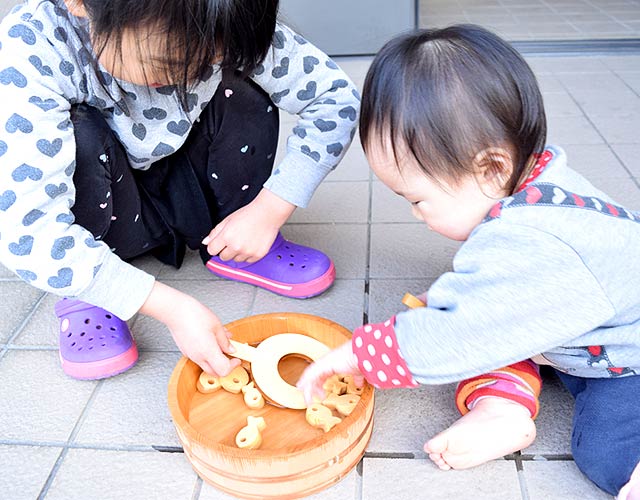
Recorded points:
295,459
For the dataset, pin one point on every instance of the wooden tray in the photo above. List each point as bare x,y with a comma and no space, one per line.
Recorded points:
295,459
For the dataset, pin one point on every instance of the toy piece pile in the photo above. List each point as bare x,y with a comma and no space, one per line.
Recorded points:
342,398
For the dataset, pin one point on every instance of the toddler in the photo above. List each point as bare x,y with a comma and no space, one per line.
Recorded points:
453,121
137,126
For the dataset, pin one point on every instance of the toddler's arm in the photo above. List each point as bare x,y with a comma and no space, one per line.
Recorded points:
196,330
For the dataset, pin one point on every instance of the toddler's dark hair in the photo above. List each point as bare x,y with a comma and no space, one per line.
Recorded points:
447,94
239,31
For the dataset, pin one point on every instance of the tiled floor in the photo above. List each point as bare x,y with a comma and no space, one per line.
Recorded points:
65,439
539,19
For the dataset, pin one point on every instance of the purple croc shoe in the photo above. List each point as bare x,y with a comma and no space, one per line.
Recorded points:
94,343
288,269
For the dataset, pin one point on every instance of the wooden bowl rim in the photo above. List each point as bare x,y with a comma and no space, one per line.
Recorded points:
194,436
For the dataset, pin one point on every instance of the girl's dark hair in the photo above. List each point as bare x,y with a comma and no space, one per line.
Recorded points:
238,33
444,95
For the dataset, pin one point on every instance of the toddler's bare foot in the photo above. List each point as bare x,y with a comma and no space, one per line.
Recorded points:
631,490
494,428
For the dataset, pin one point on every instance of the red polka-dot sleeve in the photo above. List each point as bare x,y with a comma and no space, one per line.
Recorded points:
379,357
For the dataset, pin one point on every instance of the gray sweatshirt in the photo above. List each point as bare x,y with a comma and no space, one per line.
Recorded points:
45,67
554,280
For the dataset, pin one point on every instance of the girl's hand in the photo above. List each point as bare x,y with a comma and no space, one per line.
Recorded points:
247,234
339,361
196,331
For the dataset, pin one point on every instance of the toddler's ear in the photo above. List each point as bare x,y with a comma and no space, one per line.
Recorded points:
494,166
76,8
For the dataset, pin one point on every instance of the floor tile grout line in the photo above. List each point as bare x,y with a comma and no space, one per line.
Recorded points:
604,139
197,488
94,447
522,479
28,317
615,72
74,432
367,264
359,493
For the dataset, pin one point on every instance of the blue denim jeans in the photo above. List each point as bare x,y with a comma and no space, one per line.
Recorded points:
606,428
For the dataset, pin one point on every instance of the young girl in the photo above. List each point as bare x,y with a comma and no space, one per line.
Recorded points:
135,126
453,121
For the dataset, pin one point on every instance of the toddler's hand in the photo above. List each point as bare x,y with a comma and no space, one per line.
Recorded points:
248,233
339,361
197,332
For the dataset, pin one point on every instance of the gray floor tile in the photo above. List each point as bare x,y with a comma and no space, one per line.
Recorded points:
605,82
632,79
107,475
549,83
345,244
630,156
409,251
342,303
385,296
405,419
43,327
44,403
605,102
20,482
22,299
618,129
354,166
559,480
561,64
560,104
228,300
131,409
405,479
594,161
5,274
336,202
622,63
572,130
386,206
355,67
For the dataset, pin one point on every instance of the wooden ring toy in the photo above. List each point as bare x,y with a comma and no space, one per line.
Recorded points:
264,361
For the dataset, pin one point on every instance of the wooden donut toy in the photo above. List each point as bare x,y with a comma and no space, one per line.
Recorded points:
264,361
